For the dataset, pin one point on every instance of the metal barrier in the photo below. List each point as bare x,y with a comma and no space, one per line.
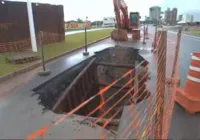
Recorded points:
86,82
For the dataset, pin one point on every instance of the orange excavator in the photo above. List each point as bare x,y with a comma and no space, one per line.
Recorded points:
126,23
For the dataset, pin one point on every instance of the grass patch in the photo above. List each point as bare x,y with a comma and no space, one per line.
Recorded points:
196,32
54,49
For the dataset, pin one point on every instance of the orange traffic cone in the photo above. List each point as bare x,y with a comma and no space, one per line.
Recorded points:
147,33
189,97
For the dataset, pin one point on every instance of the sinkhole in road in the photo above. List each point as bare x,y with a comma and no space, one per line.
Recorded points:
71,88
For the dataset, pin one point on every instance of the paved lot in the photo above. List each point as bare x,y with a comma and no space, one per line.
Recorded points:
20,113
183,125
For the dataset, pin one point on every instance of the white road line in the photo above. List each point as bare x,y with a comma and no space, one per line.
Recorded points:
193,37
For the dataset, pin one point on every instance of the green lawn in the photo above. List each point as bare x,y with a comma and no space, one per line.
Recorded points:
51,50
196,32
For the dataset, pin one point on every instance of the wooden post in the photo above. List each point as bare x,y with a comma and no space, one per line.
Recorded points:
176,53
160,84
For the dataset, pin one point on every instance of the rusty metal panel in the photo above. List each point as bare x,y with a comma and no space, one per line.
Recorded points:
81,89
14,20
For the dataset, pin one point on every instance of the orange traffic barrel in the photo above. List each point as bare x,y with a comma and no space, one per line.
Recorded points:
189,97
192,85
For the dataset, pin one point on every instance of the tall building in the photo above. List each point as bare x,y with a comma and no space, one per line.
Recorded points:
154,13
174,16
180,17
167,16
171,16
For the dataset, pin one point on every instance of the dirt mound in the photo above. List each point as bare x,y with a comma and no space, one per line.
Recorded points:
119,35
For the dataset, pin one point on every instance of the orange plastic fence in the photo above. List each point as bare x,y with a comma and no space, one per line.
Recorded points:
157,106
38,133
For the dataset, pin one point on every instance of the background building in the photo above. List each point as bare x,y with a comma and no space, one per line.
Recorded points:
154,13
174,16
187,18
180,17
171,16
109,22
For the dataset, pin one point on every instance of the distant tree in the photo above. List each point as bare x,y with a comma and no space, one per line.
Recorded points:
79,20
70,21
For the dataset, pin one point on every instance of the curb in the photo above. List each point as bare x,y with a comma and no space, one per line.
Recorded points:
36,65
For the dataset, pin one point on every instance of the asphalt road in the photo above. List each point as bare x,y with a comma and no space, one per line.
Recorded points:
21,110
189,44
184,125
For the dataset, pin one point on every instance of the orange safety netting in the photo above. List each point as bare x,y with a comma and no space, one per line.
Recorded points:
150,118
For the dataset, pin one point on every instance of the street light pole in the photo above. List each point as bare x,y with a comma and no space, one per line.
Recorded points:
86,52
31,26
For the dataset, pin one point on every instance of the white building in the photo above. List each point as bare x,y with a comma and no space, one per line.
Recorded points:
187,18
109,22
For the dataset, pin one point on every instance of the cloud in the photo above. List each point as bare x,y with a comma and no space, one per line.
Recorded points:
142,6
97,9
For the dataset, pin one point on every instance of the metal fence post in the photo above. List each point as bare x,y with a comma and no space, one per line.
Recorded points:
177,52
160,84
86,45
144,34
45,72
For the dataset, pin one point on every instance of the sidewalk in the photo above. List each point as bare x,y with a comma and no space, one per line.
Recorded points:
57,66
20,113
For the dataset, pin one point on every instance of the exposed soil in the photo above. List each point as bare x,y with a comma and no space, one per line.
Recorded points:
50,92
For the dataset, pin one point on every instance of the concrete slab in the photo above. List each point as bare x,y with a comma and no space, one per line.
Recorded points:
129,120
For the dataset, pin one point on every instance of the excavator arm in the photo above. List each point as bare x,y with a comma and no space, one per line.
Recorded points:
123,23
121,13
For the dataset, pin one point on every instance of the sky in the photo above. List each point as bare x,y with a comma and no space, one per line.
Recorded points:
97,9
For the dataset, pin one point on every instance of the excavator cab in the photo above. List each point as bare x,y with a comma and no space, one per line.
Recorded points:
134,25
134,20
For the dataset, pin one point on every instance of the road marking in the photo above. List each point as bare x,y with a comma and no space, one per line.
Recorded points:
191,36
